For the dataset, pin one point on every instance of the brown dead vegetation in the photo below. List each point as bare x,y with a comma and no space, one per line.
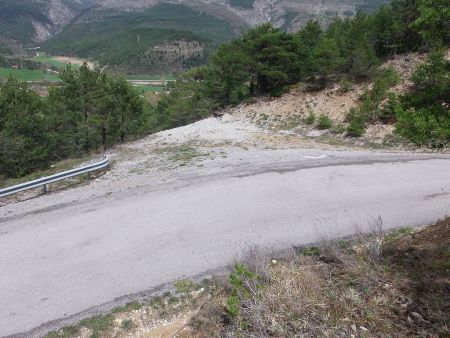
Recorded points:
344,289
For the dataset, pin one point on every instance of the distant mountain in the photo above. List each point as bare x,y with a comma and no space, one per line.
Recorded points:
165,38
288,14
24,22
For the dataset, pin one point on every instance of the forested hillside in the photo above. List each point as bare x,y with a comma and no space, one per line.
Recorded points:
92,110
137,42
266,60
88,111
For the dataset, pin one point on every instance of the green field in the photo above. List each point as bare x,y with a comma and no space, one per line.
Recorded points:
145,88
51,61
168,77
37,75
27,75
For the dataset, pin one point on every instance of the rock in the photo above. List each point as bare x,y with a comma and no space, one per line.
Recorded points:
419,317
404,242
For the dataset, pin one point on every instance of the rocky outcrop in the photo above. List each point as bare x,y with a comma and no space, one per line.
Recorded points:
58,15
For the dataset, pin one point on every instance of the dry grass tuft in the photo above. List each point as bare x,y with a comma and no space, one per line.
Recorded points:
373,286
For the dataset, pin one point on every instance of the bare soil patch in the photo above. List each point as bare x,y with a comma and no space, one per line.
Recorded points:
74,61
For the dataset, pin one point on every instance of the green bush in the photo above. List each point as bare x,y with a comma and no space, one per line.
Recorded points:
423,115
345,86
311,251
127,325
324,122
355,128
369,109
243,282
424,127
310,119
356,125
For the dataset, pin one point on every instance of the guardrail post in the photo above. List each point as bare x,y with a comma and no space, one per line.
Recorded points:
44,189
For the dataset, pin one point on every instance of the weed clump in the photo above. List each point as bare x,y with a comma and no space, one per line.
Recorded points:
324,122
310,119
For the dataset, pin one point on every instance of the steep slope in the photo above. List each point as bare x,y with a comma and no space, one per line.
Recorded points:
291,112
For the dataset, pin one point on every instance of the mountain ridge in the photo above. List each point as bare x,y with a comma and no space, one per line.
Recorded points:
34,21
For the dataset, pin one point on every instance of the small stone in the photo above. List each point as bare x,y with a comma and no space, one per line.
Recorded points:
274,261
364,328
418,317
354,327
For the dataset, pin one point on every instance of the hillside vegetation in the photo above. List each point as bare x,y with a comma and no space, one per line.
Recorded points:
136,35
384,285
92,110
23,23
266,61
86,111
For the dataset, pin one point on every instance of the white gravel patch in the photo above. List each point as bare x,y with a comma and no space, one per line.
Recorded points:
211,129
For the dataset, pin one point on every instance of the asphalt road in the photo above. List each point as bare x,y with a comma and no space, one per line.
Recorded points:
65,259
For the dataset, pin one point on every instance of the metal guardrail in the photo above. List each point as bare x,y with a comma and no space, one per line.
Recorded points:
43,181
